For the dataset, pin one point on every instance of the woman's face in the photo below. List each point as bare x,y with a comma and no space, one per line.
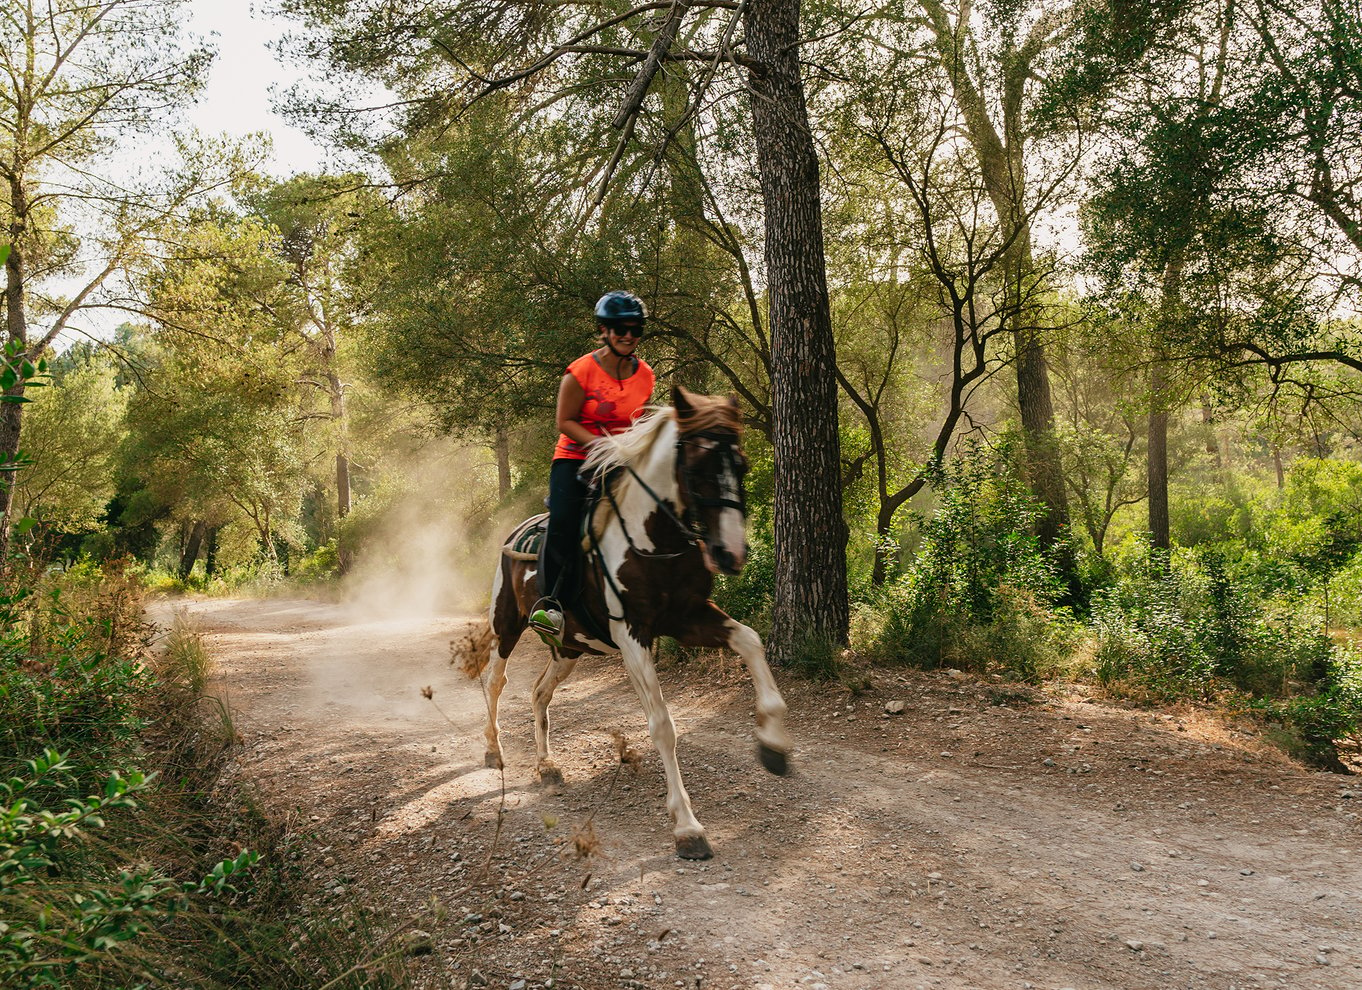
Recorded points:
622,339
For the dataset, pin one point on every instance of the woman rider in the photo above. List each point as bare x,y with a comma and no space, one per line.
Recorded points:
602,393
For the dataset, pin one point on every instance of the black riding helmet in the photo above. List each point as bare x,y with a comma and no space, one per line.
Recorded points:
615,309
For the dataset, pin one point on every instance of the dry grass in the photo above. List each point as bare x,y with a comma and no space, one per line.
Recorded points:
470,651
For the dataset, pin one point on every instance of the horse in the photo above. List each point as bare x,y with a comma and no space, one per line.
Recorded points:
671,514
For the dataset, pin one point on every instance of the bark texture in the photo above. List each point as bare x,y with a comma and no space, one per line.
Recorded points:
1160,401
16,331
1158,458
192,547
810,533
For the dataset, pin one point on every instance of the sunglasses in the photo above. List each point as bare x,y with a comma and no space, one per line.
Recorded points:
630,329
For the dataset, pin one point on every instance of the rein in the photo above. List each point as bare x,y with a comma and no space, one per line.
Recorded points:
690,524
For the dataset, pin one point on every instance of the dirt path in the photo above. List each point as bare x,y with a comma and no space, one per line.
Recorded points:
981,840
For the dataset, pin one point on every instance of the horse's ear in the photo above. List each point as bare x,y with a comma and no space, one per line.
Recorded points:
681,400
733,401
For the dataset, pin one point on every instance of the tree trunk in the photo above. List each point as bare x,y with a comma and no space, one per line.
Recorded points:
1045,470
1158,409
811,607
884,526
210,556
1044,465
1002,165
191,549
1158,457
337,390
502,447
16,332
342,485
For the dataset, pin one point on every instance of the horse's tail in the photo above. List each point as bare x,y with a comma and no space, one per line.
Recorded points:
472,648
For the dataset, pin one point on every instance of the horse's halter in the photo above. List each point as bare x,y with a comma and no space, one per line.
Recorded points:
692,525
719,443
690,522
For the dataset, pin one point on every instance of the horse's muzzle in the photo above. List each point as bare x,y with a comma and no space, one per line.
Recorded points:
724,561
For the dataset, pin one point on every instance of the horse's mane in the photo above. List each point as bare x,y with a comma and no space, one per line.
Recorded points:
633,445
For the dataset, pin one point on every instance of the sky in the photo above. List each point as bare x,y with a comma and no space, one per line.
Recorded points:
237,98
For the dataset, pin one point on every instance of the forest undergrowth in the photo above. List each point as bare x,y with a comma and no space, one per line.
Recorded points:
128,856
1255,620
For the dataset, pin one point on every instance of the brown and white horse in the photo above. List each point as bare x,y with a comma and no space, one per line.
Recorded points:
672,516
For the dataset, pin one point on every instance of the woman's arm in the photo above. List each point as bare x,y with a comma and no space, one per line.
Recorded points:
571,395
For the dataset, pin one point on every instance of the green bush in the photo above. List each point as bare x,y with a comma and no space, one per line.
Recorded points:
320,565
1319,724
979,593
748,596
1201,513
979,540
66,918
60,682
1194,623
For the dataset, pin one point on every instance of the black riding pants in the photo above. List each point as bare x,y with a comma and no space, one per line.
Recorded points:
567,494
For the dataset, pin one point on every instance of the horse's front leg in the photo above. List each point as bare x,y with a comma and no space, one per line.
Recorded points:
555,673
686,829
773,742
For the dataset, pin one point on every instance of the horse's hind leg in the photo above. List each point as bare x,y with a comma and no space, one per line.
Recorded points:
686,828
773,742
555,673
507,625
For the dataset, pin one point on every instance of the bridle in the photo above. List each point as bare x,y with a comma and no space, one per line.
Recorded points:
722,444
690,522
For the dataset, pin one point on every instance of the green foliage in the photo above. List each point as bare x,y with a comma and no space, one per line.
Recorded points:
1318,525
66,916
980,593
1321,723
748,596
320,565
16,368
1196,625
1025,638
979,539
61,684
72,436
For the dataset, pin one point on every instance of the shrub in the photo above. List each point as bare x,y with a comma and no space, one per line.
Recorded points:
63,679
67,917
748,596
1192,623
979,593
320,565
1319,724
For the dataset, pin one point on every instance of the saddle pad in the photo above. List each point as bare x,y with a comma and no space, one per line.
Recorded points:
528,537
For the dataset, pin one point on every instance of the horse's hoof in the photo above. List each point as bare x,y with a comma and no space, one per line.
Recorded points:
773,760
551,776
492,761
693,847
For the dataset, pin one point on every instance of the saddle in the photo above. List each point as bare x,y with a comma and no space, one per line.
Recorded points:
527,542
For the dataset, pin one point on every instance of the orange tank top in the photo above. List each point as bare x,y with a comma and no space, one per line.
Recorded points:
610,406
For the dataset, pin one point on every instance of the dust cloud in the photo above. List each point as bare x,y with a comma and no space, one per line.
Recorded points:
432,547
